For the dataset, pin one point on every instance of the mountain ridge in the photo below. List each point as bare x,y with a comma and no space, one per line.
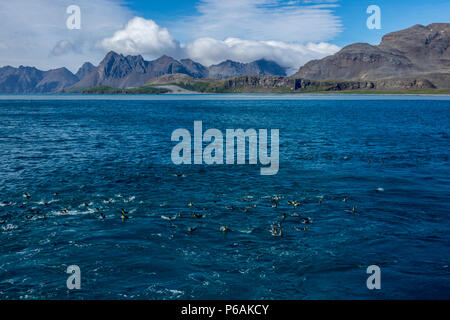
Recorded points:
414,58
120,71
410,52
30,80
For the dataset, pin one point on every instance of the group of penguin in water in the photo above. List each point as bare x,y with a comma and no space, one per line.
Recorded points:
124,214
276,228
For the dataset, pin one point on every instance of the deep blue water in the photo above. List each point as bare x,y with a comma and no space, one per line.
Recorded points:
389,158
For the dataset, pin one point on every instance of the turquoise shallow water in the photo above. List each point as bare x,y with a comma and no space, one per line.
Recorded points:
389,158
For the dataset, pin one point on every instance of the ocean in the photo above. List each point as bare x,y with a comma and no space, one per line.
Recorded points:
370,177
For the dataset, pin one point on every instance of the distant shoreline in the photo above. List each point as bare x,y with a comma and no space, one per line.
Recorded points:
184,88
227,96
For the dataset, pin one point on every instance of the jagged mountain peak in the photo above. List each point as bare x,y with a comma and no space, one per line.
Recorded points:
84,70
121,71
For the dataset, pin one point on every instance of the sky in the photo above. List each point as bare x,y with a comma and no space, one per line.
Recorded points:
290,32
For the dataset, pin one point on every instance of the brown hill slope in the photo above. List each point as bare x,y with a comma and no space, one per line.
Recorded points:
418,51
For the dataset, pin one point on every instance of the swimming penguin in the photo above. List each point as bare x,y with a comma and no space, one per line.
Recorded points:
27,196
168,218
294,203
301,229
274,204
123,215
345,199
306,220
85,204
190,204
320,201
354,209
277,230
102,216
197,215
224,229
284,216
55,193
274,230
65,210
192,229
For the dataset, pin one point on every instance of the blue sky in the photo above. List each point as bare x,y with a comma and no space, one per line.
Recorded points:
396,15
289,32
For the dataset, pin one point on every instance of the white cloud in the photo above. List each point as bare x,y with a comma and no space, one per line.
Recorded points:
298,21
288,32
34,32
145,37
65,47
142,36
290,55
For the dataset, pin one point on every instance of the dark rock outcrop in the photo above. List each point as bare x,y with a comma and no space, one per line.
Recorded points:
259,83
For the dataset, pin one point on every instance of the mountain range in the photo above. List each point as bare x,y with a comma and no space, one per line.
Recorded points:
120,71
414,58
28,80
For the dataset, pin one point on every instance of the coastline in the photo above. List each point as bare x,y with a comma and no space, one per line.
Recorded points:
227,96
